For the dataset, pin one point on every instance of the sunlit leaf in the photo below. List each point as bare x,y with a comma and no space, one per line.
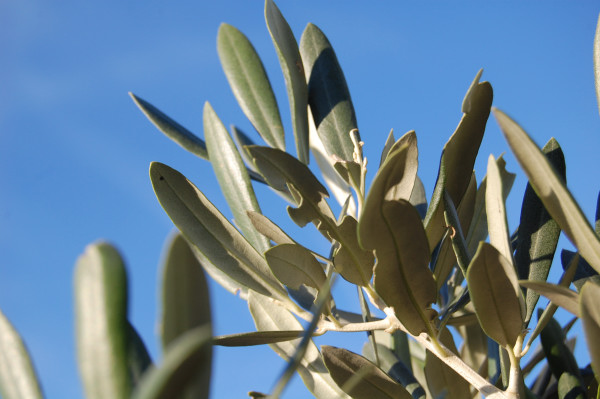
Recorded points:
441,379
402,275
173,130
328,95
268,316
232,177
389,142
101,322
560,296
186,358
257,338
551,189
538,232
269,229
210,232
18,379
293,72
590,317
250,84
372,382
458,158
496,295
294,265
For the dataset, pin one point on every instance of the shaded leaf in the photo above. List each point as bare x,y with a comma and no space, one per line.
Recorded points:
538,232
268,316
560,296
590,317
552,190
458,158
583,272
418,197
389,142
558,355
18,379
186,357
293,72
211,233
328,95
441,379
402,275
269,229
294,265
373,382
570,387
138,357
256,338
232,177
353,263
101,322
173,130
250,84
496,295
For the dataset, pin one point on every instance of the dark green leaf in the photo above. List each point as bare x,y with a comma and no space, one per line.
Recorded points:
101,322
173,130
570,387
18,379
558,355
232,177
257,338
584,270
250,84
328,94
208,230
496,295
402,275
188,357
294,265
138,357
360,378
538,232
458,158
293,72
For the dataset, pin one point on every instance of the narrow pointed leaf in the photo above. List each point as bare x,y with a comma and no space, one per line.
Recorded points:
294,265
458,158
552,190
210,232
560,296
232,177
583,272
250,84
373,383
389,142
101,322
538,232
597,61
496,295
17,375
219,275
257,338
138,358
418,197
402,275
496,211
558,355
590,317
268,316
293,72
173,130
328,95
269,229
186,358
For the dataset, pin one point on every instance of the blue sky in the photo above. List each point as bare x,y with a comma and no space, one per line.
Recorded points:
74,150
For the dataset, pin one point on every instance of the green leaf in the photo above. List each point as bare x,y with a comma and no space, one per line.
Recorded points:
552,190
590,317
269,229
458,158
101,322
372,382
211,233
250,84
402,275
597,61
418,197
538,232
173,130
294,265
18,379
293,72
442,380
268,316
558,355
232,177
389,142
186,358
328,95
560,296
570,387
496,295
496,211
185,299
137,355
353,263
256,338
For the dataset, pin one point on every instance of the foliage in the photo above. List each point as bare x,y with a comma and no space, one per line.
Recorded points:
450,314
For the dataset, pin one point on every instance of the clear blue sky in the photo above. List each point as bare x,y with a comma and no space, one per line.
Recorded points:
74,150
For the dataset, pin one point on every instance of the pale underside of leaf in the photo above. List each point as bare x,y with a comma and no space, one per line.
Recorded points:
558,295
294,265
590,316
